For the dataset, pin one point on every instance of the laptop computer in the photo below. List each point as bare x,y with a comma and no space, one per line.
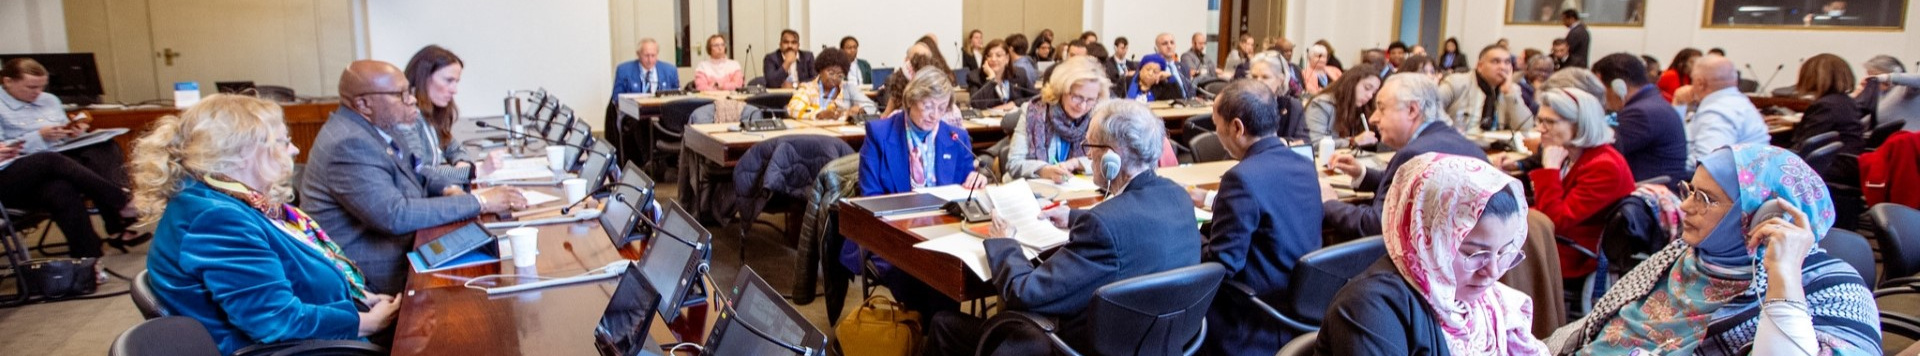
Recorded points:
880,76
756,305
623,327
674,257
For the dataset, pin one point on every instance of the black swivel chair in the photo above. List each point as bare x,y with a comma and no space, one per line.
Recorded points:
1315,280
1157,314
1210,87
1898,331
773,102
143,299
1879,134
1821,158
666,133
1899,238
1851,248
1814,142
171,336
1206,148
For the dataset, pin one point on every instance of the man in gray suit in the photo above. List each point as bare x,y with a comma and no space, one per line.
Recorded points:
364,187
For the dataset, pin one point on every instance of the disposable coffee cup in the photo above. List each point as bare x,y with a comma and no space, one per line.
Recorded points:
526,245
576,189
556,154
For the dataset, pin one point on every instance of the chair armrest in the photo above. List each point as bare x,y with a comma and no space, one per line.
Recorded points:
1900,324
305,347
1011,317
662,129
1903,285
1239,290
1563,240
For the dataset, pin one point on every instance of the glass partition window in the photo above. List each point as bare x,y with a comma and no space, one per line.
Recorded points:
1882,14
1593,12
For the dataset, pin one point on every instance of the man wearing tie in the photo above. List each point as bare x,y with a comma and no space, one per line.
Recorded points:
1163,45
365,189
646,75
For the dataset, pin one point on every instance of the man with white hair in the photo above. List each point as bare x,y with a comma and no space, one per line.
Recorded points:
646,73
1725,117
1143,227
1411,119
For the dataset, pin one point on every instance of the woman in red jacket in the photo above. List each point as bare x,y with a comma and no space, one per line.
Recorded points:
1581,174
1679,73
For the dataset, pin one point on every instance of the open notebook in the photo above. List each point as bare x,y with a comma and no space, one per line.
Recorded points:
1014,202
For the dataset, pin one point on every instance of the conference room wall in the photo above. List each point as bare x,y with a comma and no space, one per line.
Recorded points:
884,30
32,26
507,45
1141,20
1001,18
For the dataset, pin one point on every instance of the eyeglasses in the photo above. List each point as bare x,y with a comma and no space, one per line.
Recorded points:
937,106
402,95
1693,193
1077,99
1506,260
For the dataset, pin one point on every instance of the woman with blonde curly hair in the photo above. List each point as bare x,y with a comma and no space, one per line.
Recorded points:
229,251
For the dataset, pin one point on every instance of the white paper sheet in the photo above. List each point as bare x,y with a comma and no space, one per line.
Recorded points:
1014,203
1075,184
965,247
524,163
947,192
521,173
535,198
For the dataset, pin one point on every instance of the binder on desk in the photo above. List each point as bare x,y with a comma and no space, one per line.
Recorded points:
901,204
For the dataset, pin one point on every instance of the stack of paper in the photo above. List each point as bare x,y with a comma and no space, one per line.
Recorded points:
524,163
970,250
506,174
535,198
1014,205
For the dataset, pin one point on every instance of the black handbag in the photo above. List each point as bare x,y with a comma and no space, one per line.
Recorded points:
61,278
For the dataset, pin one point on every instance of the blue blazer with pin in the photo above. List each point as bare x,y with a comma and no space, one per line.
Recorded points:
884,168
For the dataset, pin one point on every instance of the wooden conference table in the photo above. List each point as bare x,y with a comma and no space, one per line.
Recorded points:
439,316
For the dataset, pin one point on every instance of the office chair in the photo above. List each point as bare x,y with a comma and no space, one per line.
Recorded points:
666,131
1879,134
1821,158
1317,278
1899,239
143,298
1814,142
171,336
1206,148
1633,233
1898,332
16,256
1157,314
774,102
1851,248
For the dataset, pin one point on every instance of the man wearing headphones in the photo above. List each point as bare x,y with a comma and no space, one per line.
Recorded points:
1143,227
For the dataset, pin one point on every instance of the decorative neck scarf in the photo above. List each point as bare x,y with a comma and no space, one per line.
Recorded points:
297,225
920,152
1051,123
1688,296
1439,202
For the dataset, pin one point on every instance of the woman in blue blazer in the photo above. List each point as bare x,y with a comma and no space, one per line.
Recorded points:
228,251
913,148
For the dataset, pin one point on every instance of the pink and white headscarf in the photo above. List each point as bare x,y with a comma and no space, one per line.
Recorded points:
1436,200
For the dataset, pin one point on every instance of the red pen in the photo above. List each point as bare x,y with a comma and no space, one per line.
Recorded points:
1055,204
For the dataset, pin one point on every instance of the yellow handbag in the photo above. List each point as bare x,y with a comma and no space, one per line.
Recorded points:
881,327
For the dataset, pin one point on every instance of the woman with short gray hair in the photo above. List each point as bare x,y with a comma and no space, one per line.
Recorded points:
1581,174
1894,94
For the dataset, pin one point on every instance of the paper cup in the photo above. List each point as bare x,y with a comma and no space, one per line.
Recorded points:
576,189
556,154
526,245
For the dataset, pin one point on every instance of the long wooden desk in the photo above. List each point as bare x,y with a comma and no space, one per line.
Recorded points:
439,316
893,238
303,122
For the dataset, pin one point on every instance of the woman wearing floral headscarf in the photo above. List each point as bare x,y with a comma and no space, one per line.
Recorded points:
1710,293
1453,226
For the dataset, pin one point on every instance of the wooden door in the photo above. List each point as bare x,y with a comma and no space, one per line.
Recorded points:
271,42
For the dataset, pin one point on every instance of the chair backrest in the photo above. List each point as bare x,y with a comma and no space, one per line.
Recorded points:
1816,142
172,336
771,101
1899,238
1326,270
1206,148
1156,314
1879,134
143,298
1631,229
1212,87
1823,157
675,115
1851,247
1011,121
757,81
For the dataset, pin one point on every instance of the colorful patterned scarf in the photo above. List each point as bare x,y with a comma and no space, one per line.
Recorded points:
296,224
1439,200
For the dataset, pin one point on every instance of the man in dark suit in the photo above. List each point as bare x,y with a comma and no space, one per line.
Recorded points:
1264,218
789,66
1410,117
1649,133
1577,39
1143,227
364,188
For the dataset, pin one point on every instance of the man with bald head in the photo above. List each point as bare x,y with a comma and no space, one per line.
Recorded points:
1170,62
365,189
1725,116
1195,60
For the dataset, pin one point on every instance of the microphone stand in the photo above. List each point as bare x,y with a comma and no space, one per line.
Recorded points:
1776,74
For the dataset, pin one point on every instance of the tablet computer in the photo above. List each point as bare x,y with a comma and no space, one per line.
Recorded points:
623,326
673,261
459,242
755,303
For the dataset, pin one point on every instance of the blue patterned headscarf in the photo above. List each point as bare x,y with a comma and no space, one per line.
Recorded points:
1704,298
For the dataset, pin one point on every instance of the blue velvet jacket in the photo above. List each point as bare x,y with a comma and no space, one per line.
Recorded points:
219,261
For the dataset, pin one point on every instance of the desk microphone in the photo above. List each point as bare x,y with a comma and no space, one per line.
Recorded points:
970,210
1769,84
484,124
651,224
603,189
